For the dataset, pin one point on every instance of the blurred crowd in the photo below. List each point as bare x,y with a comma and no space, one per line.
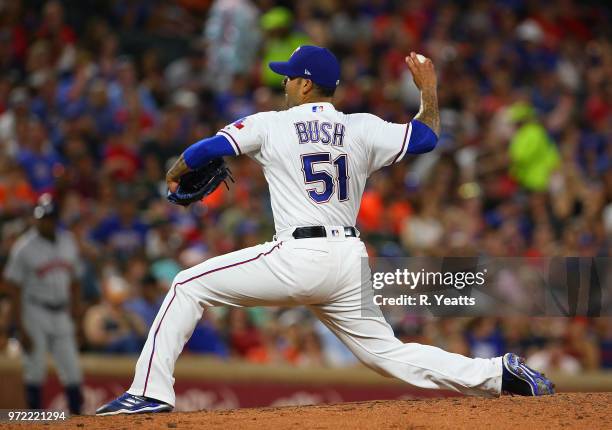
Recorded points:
98,97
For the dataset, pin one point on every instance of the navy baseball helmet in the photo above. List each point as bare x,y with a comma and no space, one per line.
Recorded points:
318,64
46,207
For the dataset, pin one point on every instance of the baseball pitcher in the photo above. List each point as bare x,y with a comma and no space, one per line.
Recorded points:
316,161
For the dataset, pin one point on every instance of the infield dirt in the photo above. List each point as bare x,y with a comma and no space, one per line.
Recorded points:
567,411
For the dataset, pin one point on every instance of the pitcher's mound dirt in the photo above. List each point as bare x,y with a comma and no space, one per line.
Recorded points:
568,411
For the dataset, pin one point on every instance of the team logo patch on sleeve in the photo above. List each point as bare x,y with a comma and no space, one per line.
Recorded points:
239,124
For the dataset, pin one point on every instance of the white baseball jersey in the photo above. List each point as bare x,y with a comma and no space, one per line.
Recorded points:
316,160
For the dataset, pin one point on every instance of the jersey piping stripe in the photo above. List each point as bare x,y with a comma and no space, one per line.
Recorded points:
261,254
232,140
401,153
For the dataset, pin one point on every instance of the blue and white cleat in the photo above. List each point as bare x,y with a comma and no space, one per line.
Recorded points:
131,404
518,378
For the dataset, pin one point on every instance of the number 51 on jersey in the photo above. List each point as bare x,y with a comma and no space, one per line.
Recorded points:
313,174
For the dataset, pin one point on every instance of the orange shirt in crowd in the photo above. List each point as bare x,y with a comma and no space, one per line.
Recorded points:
373,214
21,192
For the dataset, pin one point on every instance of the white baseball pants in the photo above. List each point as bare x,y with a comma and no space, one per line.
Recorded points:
321,273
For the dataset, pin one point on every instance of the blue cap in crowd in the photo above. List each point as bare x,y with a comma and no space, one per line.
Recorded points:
311,62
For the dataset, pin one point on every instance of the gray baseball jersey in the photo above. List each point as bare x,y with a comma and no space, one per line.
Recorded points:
43,269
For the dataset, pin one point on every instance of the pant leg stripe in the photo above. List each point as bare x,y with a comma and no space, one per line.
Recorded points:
262,254
154,339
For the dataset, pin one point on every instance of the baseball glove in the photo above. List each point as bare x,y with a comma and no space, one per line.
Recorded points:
197,184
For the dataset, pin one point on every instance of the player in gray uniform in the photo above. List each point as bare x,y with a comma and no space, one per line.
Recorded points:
42,269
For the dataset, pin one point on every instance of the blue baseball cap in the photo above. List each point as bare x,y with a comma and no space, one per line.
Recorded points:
310,62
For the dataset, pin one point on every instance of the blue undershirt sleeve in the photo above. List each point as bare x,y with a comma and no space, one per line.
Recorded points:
207,149
422,139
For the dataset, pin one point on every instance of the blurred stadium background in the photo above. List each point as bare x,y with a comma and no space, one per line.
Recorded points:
97,96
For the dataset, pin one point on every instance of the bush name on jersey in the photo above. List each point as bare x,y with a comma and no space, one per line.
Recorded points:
319,132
